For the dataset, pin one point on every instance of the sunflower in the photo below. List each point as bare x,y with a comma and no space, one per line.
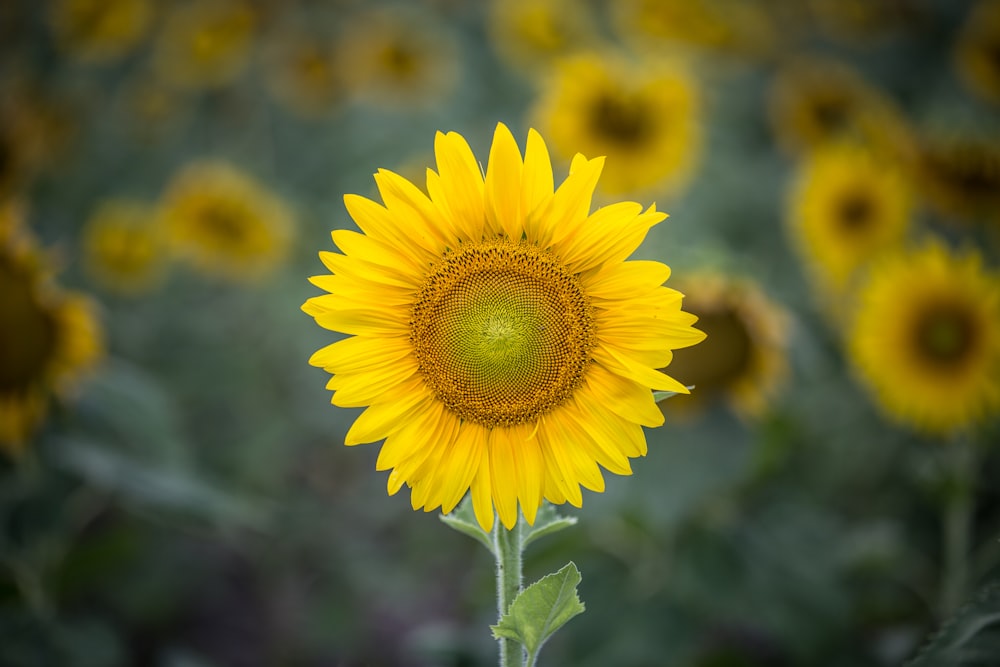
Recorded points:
960,175
301,72
123,246
225,222
743,359
531,35
642,117
926,339
397,58
50,338
204,44
100,30
847,206
497,336
977,53
814,101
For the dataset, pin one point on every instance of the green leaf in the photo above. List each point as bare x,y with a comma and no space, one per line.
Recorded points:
664,395
463,519
547,521
971,637
541,609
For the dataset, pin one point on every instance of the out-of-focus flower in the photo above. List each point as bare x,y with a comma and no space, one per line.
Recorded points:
531,34
124,246
859,22
643,116
99,31
497,336
49,340
397,59
960,175
743,359
977,52
846,207
204,44
926,339
815,101
301,72
226,223
728,26
34,130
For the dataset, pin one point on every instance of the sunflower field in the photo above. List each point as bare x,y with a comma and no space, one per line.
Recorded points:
711,284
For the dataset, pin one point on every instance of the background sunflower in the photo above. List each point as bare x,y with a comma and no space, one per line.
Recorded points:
188,501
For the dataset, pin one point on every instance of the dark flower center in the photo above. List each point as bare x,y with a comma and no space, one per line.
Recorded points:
28,333
719,360
620,118
945,335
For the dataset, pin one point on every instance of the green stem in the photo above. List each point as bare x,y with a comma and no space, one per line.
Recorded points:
507,547
957,528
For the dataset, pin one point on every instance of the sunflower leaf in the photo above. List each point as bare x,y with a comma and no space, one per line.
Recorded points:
547,521
541,609
463,519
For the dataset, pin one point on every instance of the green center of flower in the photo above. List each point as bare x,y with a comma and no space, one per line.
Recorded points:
945,334
28,335
502,333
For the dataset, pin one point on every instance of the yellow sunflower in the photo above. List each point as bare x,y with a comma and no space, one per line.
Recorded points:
531,34
743,359
497,336
100,30
397,58
301,72
225,222
846,207
204,44
977,53
50,338
124,246
960,176
643,117
926,339
813,101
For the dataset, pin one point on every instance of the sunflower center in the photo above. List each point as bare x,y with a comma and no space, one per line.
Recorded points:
945,335
502,332
223,223
722,358
831,113
856,211
27,338
620,118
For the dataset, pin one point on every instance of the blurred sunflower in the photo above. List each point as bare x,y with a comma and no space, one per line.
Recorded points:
100,30
124,246
728,26
204,44
960,176
397,58
497,336
225,222
977,53
926,339
743,359
301,72
34,131
643,117
50,338
860,21
531,34
846,207
815,101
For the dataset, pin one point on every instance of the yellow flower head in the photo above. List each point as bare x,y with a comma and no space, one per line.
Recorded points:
531,34
926,339
124,246
846,207
395,58
497,335
50,338
204,44
642,117
100,30
977,53
301,72
960,176
815,101
743,359
225,222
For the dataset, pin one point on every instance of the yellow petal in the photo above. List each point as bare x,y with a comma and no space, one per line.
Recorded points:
504,476
377,222
503,185
626,398
382,419
621,282
536,179
459,189
482,493
553,446
406,203
356,354
625,366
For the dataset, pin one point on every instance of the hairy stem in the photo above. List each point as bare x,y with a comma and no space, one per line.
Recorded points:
507,546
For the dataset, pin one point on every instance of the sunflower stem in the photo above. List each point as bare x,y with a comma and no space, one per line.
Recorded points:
957,527
507,546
